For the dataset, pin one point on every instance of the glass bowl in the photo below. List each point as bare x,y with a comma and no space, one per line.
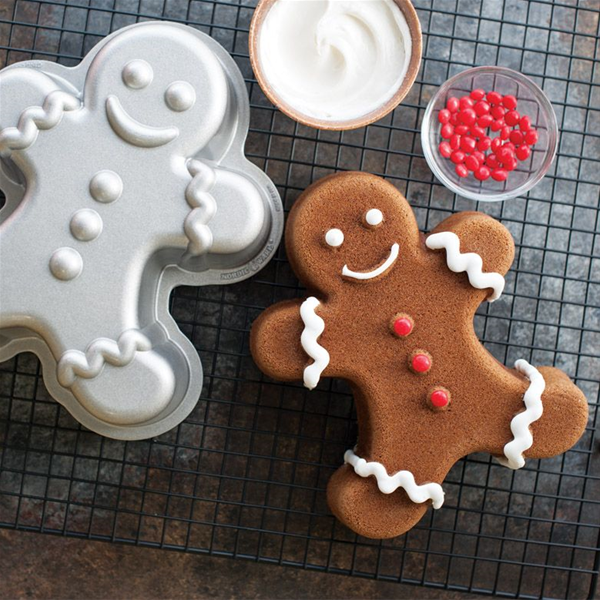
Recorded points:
531,102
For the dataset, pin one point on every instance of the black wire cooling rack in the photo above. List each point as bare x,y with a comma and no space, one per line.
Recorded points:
244,475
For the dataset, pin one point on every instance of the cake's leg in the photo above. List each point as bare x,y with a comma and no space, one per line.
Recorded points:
359,504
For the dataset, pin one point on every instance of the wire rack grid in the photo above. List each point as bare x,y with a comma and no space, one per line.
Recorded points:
244,476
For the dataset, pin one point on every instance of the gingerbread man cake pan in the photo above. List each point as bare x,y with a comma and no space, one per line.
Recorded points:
125,176
391,311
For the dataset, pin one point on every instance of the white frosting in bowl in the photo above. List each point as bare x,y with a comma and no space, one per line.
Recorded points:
334,60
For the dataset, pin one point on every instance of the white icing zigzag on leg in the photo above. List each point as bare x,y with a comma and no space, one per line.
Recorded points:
388,484
522,438
88,365
35,118
203,205
314,326
470,262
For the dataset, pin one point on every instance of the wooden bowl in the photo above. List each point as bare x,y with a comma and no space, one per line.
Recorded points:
414,26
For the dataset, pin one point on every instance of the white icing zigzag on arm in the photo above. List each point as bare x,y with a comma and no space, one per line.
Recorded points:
35,118
388,484
314,326
203,205
470,262
519,426
88,365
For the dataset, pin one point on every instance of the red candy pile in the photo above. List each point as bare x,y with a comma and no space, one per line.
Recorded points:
465,123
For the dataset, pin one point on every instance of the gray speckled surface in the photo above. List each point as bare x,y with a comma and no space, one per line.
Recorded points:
245,474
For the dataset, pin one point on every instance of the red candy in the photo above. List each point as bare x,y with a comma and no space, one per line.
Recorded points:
523,152
472,163
485,121
480,156
509,102
445,149
403,326
512,118
484,144
494,97
465,102
439,398
452,104
482,173
491,161
497,112
467,116
531,137
516,137
499,174
525,123
461,170
466,122
505,154
497,125
457,157
482,108
444,116
447,131
421,363
467,144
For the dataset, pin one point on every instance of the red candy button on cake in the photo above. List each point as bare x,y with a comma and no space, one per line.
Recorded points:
420,362
439,398
403,326
465,123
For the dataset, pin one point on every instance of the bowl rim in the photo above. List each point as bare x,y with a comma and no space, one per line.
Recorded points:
546,107
414,64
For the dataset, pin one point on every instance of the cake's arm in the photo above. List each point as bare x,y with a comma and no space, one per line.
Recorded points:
285,342
564,418
275,341
543,416
477,245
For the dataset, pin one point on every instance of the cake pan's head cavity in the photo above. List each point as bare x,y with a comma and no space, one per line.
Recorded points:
152,97
125,176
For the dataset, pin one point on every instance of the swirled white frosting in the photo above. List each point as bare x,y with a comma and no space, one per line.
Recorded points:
335,60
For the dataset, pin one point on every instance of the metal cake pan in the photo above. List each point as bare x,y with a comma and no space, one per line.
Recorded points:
124,177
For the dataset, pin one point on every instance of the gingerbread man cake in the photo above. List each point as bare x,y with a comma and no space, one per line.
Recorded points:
391,311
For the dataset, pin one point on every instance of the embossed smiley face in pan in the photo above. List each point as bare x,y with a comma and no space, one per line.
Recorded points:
179,96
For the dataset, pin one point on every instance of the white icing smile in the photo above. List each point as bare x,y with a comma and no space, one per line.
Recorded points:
134,132
389,261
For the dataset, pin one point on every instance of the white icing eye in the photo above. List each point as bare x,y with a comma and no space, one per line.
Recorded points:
137,74
180,96
374,217
334,238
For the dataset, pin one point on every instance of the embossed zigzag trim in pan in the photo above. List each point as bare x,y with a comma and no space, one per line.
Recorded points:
522,437
470,262
388,484
88,365
34,118
203,205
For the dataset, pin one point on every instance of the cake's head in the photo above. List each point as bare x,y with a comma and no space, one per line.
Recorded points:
342,233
